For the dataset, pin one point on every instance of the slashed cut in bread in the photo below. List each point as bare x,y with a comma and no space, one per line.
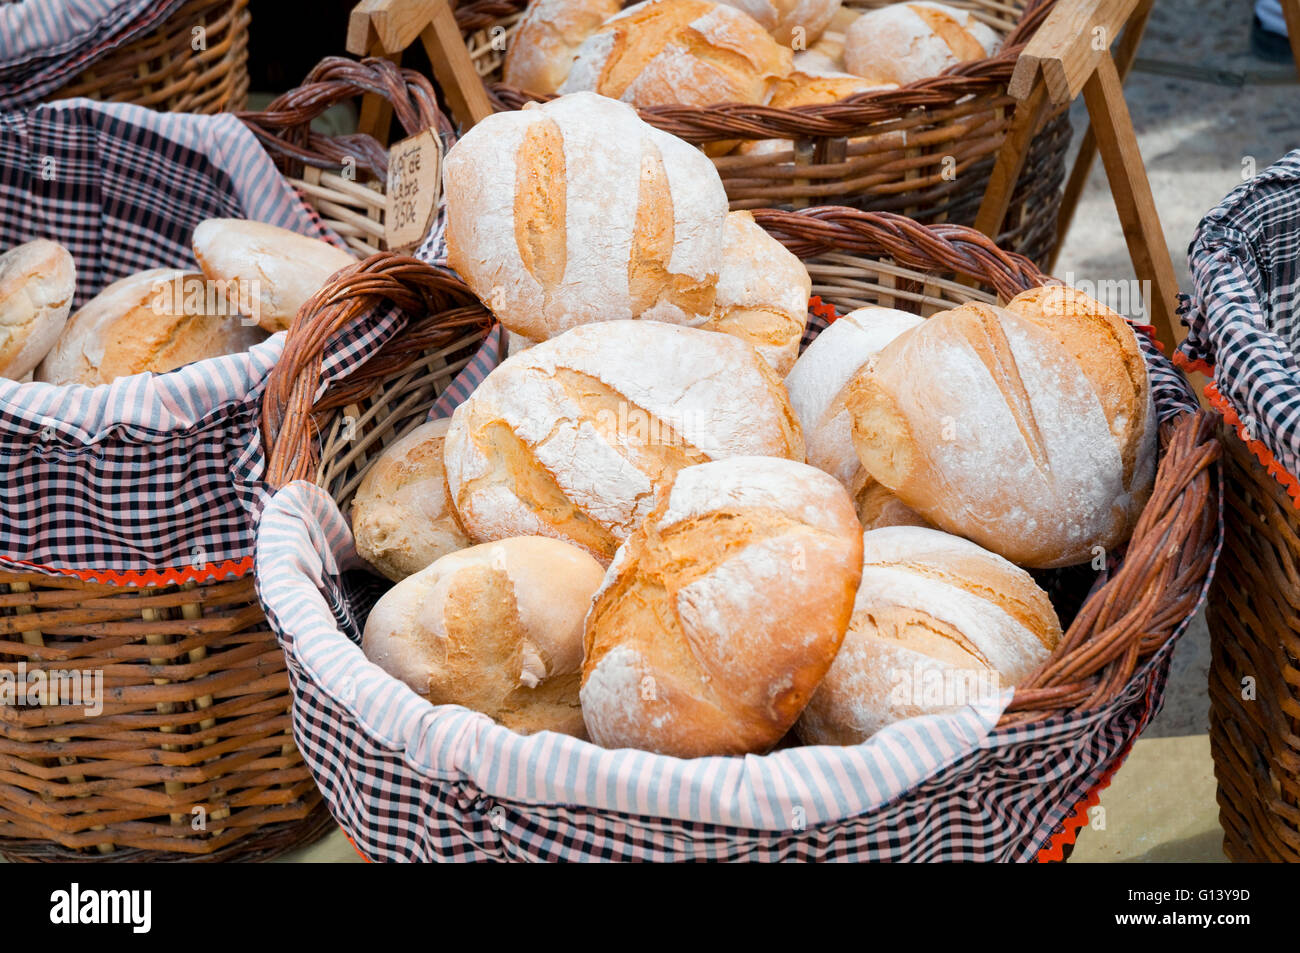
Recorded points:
721,614
1034,438
937,623
402,517
687,52
572,437
547,38
496,628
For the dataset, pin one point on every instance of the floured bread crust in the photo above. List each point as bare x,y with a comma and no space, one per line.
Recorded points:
155,321
572,437
37,282
549,34
793,23
496,628
402,517
722,612
932,610
986,424
905,42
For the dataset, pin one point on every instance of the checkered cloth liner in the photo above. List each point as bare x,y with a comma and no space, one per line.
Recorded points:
44,44
1242,314
150,473
411,781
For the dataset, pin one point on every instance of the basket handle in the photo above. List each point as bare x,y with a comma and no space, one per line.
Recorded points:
284,127
942,247
441,308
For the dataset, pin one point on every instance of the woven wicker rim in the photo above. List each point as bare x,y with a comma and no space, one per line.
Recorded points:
843,119
1156,587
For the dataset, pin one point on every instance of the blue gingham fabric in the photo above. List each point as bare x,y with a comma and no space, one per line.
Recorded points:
410,781
152,476
44,44
1244,311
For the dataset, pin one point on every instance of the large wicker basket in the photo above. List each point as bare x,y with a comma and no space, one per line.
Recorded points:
953,126
394,768
196,712
1241,321
164,70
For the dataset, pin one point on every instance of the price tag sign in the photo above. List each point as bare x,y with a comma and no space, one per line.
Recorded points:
414,183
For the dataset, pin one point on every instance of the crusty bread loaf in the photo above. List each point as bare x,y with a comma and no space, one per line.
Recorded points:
831,43
905,42
547,38
721,613
155,321
687,52
793,23
496,628
762,295
37,282
818,387
402,518
572,437
273,270
577,211
937,623
989,426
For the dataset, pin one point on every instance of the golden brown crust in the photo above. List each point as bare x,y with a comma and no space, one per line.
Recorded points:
542,48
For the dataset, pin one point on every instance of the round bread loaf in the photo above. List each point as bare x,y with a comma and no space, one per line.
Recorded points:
37,282
818,387
762,294
793,23
1034,438
547,38
496,628
937,623
722,612
687,52
402,518
576,211
155,321
571,437
905,42
270,271
830,45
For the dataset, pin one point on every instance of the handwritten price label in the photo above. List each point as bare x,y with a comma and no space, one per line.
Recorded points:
414,183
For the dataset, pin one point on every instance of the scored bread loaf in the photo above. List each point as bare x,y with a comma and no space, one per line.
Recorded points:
762,293
818,387
687,52
37,282
496,628
937,623
722,612
270,271
905,42
547,38
571,437
155,321
402,518
793,23
1034,438
577,211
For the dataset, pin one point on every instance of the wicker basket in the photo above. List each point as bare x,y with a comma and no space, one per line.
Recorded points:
163,70
391,801
953,126
196,686
1241,329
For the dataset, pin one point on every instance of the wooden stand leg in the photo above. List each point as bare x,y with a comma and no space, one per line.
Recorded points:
460,83
1010,162
1104,95
1125,54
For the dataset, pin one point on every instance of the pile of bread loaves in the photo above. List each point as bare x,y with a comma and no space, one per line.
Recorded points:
780,53
654,527
252,281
